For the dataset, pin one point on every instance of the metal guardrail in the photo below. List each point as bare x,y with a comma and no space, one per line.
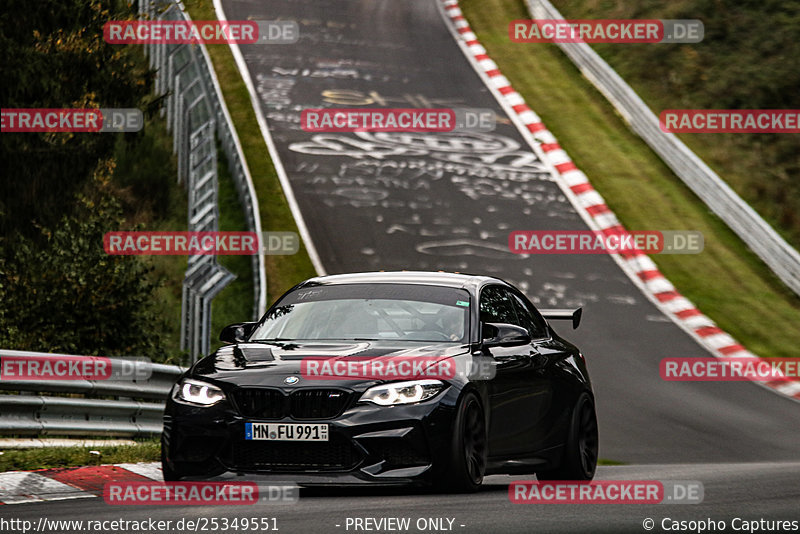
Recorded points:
781,257
197,116
136,410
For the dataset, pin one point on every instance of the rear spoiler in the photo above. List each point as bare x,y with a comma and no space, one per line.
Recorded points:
564,314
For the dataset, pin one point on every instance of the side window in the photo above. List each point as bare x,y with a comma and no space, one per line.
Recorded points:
496,306
530,319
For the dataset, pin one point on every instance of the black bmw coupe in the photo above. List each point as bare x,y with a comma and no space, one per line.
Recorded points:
391,378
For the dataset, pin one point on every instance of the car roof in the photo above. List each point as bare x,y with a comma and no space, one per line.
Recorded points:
432,278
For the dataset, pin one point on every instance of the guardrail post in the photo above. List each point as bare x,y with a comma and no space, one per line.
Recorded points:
195,112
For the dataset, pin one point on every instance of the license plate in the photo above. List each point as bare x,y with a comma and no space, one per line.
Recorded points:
286,431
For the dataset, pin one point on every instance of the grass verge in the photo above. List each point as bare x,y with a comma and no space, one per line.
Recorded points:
282,271
727,281
743,61
53,457
235,302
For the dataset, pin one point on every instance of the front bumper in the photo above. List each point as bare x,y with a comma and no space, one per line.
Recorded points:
405,444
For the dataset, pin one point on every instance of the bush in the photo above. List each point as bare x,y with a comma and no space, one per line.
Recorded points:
61,292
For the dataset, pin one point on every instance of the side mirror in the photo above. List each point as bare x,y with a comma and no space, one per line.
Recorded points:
237,332
504,335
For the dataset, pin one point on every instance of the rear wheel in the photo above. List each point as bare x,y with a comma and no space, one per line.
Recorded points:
580,452
468,447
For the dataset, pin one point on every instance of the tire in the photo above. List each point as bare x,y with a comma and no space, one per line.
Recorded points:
468,448
580,453
170,475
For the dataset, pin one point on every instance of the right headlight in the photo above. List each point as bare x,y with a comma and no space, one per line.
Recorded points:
197,393
403,392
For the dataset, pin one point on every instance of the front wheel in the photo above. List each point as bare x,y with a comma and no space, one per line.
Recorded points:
468,447
580,452
169,474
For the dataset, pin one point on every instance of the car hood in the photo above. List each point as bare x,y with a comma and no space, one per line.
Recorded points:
268,364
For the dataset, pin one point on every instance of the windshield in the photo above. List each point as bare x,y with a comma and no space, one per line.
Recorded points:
369,312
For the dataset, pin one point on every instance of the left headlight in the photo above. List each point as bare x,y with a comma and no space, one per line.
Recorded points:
403,392
197,393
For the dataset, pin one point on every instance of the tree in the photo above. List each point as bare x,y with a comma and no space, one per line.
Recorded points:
61,292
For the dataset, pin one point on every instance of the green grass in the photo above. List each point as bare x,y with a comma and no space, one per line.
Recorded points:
52,457
604,461
727,281
282,271
234,303
744,61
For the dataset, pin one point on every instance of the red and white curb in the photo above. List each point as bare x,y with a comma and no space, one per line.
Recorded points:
591,206
17,487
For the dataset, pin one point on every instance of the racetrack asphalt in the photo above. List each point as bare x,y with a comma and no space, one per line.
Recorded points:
448,201
744,491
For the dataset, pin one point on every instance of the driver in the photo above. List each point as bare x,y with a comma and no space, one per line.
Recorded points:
452,325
